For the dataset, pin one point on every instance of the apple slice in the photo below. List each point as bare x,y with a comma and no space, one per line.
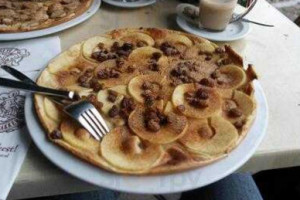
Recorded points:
213,101
127,151
170,131
211,137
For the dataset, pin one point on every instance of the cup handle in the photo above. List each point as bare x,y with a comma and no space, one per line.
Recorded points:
180,12
235,18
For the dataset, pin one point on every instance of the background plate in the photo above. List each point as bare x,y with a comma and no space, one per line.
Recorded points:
135,4
155,184
54,29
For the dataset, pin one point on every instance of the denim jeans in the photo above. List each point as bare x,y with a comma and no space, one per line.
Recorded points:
238,186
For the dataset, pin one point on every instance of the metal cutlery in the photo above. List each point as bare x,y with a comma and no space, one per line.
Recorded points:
237,17
257,23
82,111
37,89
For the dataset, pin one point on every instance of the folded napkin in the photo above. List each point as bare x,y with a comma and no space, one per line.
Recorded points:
27,56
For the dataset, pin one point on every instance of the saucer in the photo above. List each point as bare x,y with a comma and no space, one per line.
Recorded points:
234,31
133,4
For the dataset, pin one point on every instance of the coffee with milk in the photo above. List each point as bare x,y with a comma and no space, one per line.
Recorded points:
216,14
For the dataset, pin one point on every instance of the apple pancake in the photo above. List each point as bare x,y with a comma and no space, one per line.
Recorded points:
173,101
28,15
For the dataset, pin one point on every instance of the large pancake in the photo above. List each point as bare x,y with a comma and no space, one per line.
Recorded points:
189,137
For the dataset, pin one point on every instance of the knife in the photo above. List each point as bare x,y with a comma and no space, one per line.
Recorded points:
37,89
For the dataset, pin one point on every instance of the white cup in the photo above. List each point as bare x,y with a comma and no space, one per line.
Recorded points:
215,14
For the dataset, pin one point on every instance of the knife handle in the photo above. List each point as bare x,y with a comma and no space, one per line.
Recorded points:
37,89
17,74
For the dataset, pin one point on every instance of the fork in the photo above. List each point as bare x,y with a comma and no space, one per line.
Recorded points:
82,111
74,111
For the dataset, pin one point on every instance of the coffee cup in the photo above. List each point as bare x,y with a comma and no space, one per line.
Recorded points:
216,14
212,15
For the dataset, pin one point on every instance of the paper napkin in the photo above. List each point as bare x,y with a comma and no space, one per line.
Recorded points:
27,56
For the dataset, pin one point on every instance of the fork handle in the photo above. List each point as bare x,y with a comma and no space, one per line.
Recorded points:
35,88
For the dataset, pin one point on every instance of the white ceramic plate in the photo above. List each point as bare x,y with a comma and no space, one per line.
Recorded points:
54,29
134,4
156,184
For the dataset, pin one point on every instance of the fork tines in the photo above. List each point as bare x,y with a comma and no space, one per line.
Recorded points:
89,117
95,124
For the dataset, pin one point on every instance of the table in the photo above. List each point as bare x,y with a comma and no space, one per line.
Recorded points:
275,52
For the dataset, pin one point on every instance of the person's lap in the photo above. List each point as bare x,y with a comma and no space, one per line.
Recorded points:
234,187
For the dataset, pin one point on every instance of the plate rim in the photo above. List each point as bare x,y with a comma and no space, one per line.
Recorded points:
38,136
129,5
53,29
180,21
